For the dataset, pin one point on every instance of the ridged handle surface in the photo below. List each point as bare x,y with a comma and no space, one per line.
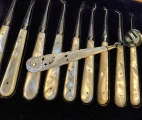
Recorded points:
70,86
52,77
33,79
134,78
3,37
120,82
87,88
11,75
103,92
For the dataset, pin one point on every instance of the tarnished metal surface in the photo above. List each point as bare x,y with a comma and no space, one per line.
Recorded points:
10,78
103,90
70,86
52,77
134,78
33,79
3,36
87,89
120,82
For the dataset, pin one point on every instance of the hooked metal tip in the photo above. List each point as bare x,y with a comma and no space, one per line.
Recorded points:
44,21
120,38
117,11
64,2
28,14
77,29
91,28
105,9
61,22
82,6
10,13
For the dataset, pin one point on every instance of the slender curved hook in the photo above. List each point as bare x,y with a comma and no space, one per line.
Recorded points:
77,29
120,37
105,33
61,22
91,28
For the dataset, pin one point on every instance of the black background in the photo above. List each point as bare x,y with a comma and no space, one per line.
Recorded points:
17,107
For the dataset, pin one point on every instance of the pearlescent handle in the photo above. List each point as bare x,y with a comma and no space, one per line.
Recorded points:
3,37
11,75
33,79
52,76
87,89
120,82
70,86
103,92
134,78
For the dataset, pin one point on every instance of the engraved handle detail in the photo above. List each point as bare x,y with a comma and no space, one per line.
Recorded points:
10,78
87,89
120,82
33,79
103,92
134,78
70,86
3,37
52,77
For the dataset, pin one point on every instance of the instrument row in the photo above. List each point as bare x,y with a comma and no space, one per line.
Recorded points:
31,87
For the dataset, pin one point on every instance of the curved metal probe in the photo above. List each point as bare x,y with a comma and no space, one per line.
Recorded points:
10,14
103,84
134,74
70,86
10,78
120,79
61,22
77,29
52,76
120,38
27,17
87,88
32,80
